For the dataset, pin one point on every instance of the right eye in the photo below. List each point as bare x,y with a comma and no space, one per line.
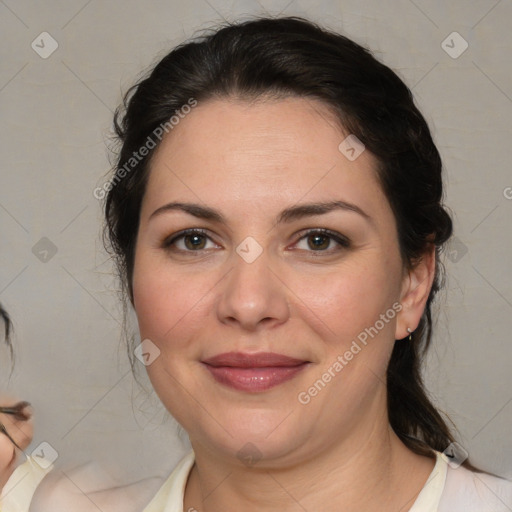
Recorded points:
189,240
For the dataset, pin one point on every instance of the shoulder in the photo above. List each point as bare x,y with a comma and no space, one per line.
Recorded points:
468,491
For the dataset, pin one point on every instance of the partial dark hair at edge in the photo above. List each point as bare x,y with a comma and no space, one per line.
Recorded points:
7,327
291,56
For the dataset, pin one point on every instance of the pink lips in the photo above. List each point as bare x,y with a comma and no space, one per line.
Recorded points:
253,372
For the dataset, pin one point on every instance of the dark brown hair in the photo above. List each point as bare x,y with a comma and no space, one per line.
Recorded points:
6,320
291,56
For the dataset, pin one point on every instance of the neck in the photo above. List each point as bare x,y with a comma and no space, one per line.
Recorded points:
370,470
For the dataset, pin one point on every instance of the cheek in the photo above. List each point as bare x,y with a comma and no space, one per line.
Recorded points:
169,306
357,340
6,453
349,299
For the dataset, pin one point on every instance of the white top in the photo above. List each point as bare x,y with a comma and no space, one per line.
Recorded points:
17,493
447,489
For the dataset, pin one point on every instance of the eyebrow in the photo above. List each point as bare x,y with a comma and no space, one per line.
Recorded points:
288,215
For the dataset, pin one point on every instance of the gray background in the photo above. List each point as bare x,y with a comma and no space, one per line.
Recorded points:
55,123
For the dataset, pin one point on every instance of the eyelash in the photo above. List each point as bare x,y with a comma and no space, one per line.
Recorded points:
343,242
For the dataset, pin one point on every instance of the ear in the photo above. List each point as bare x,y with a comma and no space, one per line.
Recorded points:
416,286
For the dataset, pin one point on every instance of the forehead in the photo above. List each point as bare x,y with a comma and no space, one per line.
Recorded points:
270,152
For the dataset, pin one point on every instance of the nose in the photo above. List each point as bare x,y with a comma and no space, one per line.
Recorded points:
252,297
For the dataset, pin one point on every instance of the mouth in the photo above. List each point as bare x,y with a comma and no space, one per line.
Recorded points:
253,372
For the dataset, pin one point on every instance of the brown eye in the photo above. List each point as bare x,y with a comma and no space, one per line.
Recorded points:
318,242
188,241
194,242
322,240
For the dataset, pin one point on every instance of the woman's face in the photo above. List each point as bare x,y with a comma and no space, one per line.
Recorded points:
260,276
21,432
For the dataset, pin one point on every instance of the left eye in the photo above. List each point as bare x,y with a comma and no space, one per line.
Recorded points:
322,240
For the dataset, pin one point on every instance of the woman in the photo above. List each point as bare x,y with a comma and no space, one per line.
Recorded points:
276,215
18,481
11,435
22,487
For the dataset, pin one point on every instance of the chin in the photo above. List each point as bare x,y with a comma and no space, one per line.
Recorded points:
259,438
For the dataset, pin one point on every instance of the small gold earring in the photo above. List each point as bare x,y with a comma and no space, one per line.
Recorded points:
410,333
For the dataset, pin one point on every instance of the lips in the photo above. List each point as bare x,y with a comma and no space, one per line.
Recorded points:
259,360
253,372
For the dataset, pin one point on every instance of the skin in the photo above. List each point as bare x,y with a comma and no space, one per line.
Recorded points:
250,161
22,433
